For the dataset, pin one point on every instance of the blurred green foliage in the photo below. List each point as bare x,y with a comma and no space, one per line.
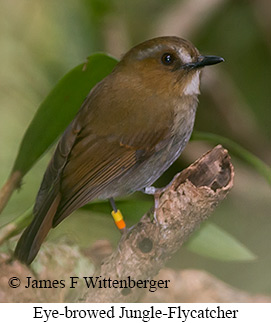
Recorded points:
59,108
238,36
41,40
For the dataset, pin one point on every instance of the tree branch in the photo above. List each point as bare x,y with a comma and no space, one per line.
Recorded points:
180,208
9,187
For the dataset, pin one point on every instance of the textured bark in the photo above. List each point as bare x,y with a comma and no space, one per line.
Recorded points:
179,209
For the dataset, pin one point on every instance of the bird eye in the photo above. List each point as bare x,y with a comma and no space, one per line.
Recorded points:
167,59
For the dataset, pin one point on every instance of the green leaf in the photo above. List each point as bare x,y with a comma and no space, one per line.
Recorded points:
59,108
131,208
213,242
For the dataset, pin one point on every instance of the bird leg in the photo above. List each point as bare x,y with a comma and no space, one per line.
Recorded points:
117,216
156,192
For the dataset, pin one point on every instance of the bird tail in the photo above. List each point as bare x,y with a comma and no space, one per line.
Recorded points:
32,238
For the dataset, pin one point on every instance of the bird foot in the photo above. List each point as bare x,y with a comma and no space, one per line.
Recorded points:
151,190
156,192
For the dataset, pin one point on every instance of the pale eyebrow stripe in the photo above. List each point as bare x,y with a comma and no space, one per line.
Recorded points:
185,57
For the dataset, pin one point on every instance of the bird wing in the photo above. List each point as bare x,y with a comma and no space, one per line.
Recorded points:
95,163
95,151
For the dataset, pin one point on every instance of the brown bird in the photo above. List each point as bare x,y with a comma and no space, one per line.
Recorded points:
132,126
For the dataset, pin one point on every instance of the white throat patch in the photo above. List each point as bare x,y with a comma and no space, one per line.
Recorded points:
192,87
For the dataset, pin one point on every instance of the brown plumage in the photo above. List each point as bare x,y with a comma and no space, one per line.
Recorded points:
130,129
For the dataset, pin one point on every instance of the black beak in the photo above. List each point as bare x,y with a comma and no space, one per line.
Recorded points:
208,60
204,60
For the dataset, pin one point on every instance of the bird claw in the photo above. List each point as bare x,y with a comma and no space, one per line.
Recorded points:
156,192
151,190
